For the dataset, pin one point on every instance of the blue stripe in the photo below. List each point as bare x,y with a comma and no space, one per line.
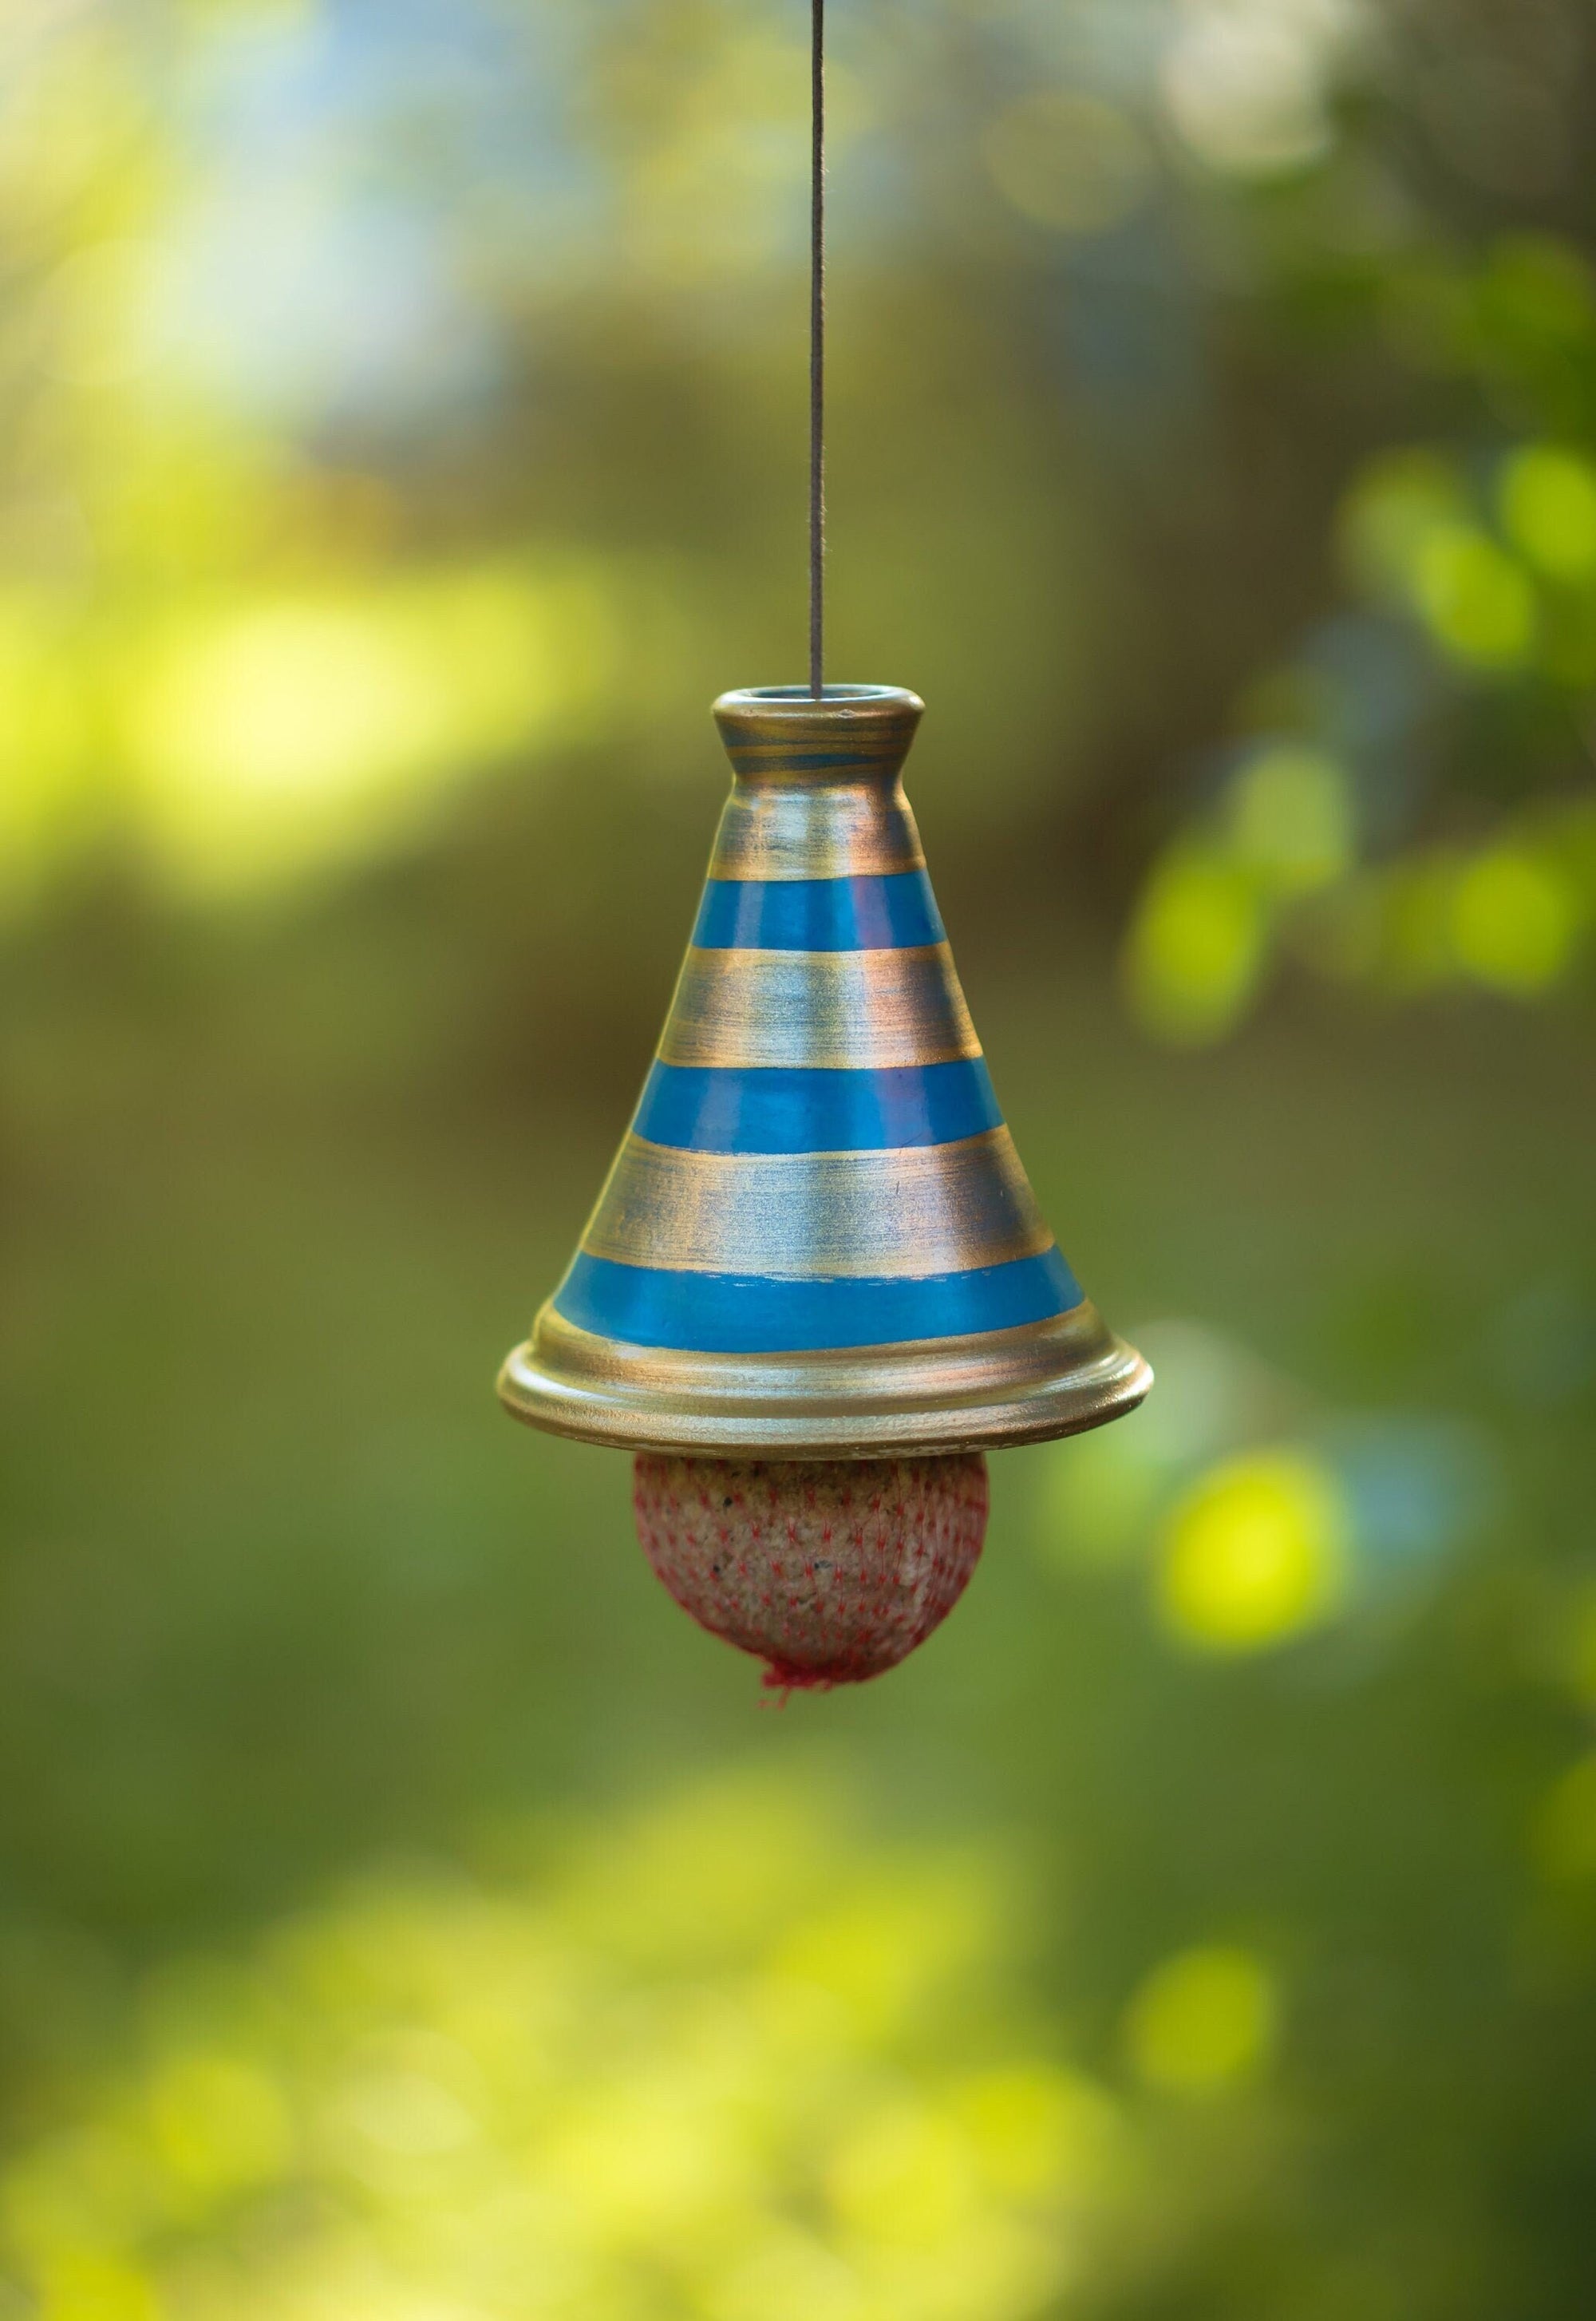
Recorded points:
733,1314
701,1109
863,913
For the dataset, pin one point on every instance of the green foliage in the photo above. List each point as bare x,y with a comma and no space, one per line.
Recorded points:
729,2060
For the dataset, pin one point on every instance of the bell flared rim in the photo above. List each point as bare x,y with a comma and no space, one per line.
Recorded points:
943,1394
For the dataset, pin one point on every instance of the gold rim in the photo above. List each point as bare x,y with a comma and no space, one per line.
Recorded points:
1024,1385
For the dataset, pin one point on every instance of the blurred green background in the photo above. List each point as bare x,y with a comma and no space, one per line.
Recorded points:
405,1915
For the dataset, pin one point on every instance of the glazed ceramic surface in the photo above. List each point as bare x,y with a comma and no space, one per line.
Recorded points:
816,1238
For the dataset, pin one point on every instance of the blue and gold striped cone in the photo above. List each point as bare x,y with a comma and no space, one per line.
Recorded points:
816,1238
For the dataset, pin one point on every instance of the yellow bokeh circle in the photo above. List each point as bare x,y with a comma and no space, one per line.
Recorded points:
1258,1549
1203,2021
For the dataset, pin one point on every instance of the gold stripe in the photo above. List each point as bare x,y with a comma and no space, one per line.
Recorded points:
864,1010
799,828
794,1217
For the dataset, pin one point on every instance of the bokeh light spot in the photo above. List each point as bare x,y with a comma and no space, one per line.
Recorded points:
1196,949
1516,919
1476,599
478,2101
218,2124
907,2173
1397,503
1034,2129
87,2286
1203,2020
287,734
1549,504
1290,816
878,1953
1246,81
1257,1551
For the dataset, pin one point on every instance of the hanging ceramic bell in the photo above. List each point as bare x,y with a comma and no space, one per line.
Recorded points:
816,1286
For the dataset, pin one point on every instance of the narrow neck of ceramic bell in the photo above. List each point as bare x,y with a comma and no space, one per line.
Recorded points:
817,793
851,733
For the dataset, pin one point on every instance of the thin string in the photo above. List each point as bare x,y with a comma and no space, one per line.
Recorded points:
816,362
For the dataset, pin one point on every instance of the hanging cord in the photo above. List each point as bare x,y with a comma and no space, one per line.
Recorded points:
817,363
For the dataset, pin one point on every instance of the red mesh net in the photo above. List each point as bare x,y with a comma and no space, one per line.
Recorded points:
830,1571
